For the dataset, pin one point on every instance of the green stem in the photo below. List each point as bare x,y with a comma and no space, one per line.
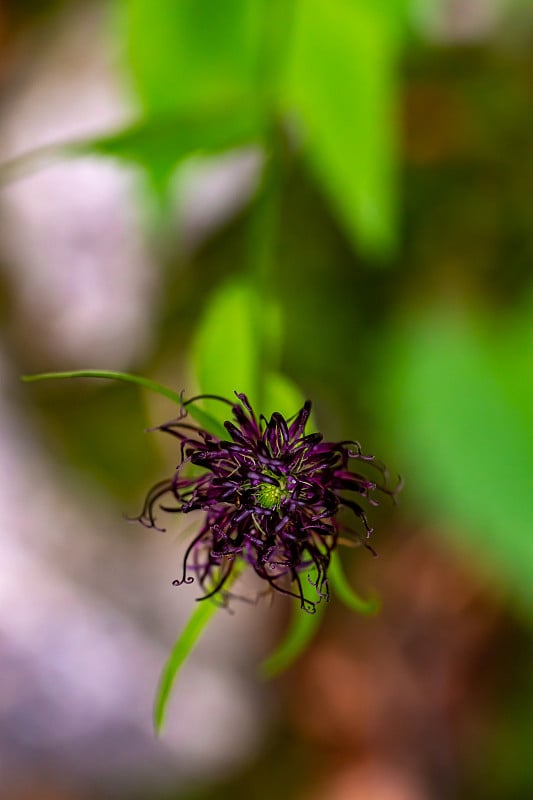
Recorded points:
109,375
35,160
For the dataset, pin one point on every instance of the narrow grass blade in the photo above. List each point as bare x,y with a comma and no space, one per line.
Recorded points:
342,589
183,646
205,419
302,628
186,641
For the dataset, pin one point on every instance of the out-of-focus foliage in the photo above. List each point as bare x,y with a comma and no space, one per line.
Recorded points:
191,57
228,349
466,434
238,335
342,82
331,67
160,144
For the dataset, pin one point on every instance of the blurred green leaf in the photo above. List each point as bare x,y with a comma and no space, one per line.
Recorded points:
512,355
468,451
180,136
282,395
342,80
227,352
191,55
160,144
218,64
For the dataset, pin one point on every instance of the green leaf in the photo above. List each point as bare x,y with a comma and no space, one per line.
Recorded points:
227,352
282,395
180,136
342,81
302,628
161,143
205,419
466,437
342,589
238,335
191,55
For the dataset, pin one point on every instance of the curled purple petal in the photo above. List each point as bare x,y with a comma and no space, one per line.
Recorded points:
271,497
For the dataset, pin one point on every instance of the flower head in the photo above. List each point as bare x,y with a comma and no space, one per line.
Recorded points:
272,495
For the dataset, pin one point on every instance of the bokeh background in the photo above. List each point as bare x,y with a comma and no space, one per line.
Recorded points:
313,199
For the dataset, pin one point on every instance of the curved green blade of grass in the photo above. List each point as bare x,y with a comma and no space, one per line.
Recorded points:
185,642
302,628
182,648
342,589
205,419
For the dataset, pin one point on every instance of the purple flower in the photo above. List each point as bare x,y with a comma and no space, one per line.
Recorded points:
272,497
